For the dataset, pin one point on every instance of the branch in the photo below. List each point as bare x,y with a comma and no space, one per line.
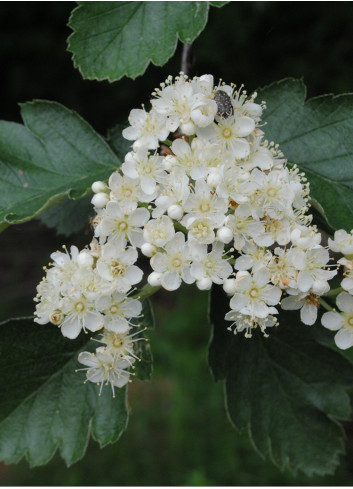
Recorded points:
187,59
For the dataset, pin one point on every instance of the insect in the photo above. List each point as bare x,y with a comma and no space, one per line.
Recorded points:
224,104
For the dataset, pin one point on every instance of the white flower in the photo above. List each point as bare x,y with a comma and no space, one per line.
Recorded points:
341,322
148,168
174,191
146,129
311,265
121,345
49,303
116,266
276,230
243,226
253,257
159,231
201,230
273,196
235,184
342,242
174,263
307,303
282,268
209,265
103,368
202,203
118,310
305,237
196,159
254,294
185,104
244,322
230,134
120,227
127,192
347,282
80,313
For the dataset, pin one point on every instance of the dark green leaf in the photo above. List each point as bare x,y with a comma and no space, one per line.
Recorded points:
44,404
286,390
218,4
119,145
144,368
69,216
114,39
55,154
316,135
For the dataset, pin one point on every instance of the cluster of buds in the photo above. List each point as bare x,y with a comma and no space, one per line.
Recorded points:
207,200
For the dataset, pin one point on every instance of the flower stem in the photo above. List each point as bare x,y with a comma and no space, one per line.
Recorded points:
146,291
333,292
180,227
325,305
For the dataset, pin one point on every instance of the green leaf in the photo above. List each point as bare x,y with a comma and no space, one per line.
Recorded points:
55,154
144,367
218,4
316,135
115,39
69,216
44,404
286,390
119,145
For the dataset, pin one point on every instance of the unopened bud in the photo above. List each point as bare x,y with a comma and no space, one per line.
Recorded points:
100,200
154,279
229,286
225,235
98,187
148,249
204,283
175,211
214,179
188,128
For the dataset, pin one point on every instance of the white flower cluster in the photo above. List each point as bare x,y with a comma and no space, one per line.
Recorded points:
207,200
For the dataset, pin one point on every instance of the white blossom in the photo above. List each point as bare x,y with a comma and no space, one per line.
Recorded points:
341,322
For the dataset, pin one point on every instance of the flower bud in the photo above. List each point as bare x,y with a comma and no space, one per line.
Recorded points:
148,249
225,235
154,279
214,179
100,200
204,283
229,286
175,211
188,128
98,187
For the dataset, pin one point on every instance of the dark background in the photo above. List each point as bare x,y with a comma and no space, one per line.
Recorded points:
178,432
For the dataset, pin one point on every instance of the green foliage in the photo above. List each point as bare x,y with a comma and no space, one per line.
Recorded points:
116,39
56,153
177,422
46,404
68,216
119,145
286,390
316,135
143,369
218,4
